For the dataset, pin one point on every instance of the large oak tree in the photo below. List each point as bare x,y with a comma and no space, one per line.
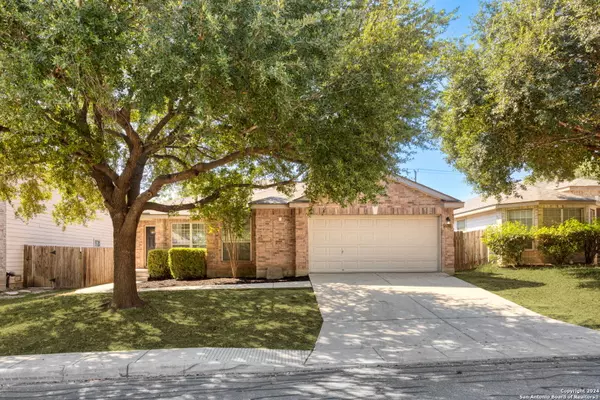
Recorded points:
525,94
113,103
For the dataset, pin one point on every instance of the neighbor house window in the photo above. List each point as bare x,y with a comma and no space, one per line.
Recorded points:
556,216
592,215
523,216
242,244
461,225
188,235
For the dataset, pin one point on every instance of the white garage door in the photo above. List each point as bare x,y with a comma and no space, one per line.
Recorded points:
373,243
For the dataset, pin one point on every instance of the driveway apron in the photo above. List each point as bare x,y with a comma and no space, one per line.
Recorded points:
432,317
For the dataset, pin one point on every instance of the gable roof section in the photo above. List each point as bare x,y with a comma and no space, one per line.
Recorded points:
452,202
272,198
541,191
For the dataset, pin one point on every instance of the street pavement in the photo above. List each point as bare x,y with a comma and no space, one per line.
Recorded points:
579,379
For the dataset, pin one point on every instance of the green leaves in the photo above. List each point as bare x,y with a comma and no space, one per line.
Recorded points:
123,96
526,95
508,241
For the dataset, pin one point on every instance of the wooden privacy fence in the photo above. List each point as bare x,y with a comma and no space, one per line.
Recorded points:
67,267
469,250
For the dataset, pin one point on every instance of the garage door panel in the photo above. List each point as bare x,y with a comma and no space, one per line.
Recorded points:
373,243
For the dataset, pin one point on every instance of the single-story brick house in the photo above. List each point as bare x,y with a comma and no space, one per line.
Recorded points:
410,229
541,204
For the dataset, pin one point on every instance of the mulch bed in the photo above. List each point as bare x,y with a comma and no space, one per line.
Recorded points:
215,281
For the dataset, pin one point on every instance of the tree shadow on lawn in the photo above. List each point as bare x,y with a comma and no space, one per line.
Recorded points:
495,282
589,277
271,318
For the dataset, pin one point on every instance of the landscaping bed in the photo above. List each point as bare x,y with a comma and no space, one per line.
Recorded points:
214,281
67,322
567,293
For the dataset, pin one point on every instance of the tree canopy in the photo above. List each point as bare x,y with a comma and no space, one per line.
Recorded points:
112,103
525,94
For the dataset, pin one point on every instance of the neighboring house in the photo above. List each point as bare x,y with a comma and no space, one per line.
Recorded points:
542,204
43,231
409,230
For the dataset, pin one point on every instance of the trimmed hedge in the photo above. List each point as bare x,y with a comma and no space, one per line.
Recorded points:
158,264
186,263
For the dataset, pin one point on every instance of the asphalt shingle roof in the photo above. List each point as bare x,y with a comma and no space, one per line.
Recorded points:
541,191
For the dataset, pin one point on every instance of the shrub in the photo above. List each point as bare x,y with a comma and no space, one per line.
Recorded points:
558,242
186,263
587,237
158,264
508,241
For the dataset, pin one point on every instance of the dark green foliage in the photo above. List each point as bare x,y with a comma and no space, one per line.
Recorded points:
186,263
525,95
508,241
158,264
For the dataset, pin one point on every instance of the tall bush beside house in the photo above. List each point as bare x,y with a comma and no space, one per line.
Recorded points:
508,241
158,264
186,263
586,236
558,242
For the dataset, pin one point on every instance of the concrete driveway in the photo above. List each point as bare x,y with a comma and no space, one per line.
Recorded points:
432,317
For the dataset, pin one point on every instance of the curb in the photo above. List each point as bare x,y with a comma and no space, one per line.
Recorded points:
81,367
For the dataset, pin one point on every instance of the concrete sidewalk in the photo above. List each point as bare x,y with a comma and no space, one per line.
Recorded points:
145,363
107,288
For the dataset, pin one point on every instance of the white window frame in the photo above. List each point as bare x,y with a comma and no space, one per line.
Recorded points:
464,222
222,249
592,215
190,244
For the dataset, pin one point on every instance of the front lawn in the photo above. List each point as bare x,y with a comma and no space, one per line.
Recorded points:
569,293
64,322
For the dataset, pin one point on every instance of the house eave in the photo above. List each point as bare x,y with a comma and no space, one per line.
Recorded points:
520,205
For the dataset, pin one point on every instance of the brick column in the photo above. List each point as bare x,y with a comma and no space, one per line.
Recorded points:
447,241
301,227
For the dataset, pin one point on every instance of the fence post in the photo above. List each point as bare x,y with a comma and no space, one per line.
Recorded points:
83,266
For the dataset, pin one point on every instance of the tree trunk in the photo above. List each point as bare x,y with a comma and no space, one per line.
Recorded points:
125,290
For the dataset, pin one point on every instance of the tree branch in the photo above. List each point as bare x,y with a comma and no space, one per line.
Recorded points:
212,197
197,169
106,170
173,158
162,123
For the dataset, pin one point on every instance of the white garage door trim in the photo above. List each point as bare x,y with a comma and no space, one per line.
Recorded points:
374,243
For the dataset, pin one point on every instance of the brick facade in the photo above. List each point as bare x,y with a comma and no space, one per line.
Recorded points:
280,233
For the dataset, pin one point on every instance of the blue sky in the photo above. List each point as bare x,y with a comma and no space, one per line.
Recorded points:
432,169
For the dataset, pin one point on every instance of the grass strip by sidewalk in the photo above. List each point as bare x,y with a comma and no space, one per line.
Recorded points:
567,293
63,322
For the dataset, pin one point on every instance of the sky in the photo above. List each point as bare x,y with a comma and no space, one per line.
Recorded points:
432,169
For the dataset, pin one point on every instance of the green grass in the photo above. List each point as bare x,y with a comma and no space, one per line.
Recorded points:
569,293
63,322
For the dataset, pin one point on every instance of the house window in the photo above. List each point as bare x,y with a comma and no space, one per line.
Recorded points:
461,225
523,216
242,244
592,215
556,216
573,213
188,235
